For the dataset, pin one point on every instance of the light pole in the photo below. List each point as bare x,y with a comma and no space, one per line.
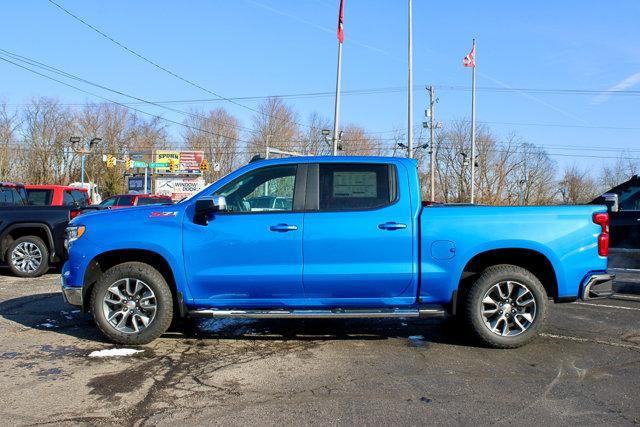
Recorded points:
521,185
464,164
83,152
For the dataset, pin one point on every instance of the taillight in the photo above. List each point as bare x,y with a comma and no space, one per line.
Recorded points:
74,214
602,219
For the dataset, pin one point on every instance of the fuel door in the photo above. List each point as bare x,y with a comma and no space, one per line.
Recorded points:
443,249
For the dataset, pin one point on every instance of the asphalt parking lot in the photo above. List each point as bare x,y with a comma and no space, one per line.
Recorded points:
585,369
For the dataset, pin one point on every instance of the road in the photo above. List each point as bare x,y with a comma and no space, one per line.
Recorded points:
585,369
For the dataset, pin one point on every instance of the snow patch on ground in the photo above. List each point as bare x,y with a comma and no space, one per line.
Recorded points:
48,324
114,352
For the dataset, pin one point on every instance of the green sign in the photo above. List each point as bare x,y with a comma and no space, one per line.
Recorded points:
158,164
138,164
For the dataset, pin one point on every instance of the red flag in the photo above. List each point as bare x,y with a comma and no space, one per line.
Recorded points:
470,59
341,22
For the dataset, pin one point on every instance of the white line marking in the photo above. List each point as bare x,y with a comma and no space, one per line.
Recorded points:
580,339
608,306
626,297
635,270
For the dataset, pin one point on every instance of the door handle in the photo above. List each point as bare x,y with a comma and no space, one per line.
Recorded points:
283,228
392,226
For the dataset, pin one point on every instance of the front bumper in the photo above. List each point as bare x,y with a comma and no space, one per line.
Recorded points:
72,296
597,286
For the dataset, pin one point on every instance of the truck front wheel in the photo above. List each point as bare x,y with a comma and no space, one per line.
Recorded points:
506,306
132,304
28,256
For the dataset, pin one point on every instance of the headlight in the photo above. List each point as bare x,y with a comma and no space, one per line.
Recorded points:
73,234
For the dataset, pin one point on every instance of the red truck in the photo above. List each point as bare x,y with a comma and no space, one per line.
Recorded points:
126,200
58,195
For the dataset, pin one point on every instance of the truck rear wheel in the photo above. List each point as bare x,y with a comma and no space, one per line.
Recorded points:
506,306
132,304
28,256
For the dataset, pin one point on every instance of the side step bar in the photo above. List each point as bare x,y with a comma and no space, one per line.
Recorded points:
424,311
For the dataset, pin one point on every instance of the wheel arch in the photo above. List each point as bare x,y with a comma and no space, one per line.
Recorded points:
530,259
22,229
104,261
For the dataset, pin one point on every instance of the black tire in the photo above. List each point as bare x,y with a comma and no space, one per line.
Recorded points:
473,306
42,268
163,299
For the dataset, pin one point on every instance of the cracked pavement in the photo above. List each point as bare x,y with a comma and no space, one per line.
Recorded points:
584,369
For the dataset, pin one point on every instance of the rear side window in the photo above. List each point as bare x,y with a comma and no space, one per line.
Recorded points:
40,197
80,197
355,186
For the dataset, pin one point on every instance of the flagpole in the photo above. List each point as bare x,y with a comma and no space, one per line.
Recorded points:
473,125
410,89
336,115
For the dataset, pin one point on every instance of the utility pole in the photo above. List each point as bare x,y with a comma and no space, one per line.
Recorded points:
410,88
432,151
473,124
336,112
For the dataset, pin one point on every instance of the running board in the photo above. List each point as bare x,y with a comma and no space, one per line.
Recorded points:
425,311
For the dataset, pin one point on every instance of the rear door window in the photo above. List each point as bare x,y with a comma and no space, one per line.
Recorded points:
124,201
6,196
40,197
151,201
67,198
355,186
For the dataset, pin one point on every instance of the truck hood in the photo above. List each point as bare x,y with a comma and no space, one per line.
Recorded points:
133,214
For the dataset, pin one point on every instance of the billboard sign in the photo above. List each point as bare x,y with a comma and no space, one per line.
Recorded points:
178,188
135,184
188,161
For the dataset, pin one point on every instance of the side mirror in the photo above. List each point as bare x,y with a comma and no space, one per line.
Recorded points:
210,204
611,200
207,205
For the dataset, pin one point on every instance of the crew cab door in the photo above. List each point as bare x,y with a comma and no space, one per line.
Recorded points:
249,254
358,234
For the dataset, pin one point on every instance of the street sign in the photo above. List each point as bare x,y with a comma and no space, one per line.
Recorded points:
204,165
138,164
162,164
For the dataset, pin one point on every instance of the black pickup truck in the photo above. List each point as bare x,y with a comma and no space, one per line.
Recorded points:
32,238
623,202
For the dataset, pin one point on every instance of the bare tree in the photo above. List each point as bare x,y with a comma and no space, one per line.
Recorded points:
622,170
356,142
275,126
11,154
46,130
313,142
216,134
577,186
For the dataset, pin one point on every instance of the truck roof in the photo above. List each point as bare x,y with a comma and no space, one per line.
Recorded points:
341,159
53,187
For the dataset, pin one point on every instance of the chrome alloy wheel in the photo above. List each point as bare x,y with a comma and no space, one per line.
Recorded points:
129,305
508,308
26,257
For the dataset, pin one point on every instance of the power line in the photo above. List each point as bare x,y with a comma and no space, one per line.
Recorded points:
160,67
63,73
123,105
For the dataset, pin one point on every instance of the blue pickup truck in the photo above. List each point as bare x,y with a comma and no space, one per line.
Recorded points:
355,241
